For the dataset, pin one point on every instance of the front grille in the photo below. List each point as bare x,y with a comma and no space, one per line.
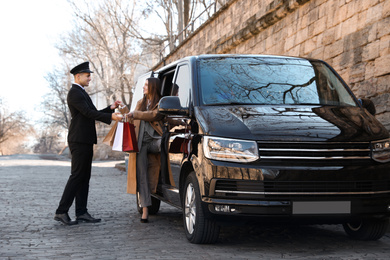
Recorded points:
298,188
314,151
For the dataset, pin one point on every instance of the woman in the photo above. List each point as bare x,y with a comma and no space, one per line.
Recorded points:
149,129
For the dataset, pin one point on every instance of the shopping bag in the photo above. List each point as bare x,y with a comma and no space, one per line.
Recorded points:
129,140
109,139
132,174
118,140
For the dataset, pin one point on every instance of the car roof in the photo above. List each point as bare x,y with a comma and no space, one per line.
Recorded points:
208,56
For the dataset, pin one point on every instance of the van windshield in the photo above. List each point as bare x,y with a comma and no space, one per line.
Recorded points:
270,81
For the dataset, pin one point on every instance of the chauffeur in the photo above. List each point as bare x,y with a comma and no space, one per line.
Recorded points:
81,137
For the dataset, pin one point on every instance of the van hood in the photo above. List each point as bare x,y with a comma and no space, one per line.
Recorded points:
291,123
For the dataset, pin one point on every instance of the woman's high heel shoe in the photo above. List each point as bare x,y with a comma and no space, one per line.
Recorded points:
144,212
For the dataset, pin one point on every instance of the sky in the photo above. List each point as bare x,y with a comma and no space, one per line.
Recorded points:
29,31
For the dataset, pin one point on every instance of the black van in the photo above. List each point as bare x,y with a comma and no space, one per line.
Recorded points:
269,138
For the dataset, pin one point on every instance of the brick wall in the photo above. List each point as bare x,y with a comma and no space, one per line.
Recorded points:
353,36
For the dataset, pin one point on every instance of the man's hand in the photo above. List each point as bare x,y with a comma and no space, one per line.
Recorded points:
116,116
115,105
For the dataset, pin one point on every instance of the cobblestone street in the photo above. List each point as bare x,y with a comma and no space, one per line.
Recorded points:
31,186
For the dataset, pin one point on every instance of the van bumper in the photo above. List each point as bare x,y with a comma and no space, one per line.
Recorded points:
324,210
316,192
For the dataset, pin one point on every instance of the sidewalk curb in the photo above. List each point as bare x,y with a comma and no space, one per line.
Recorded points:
121,166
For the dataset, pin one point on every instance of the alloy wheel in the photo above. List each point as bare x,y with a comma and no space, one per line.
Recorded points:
190,208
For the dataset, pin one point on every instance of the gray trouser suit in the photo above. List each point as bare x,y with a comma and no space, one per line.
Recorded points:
146,135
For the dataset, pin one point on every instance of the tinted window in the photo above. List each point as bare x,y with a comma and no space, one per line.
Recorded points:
270,81
167,79
181,86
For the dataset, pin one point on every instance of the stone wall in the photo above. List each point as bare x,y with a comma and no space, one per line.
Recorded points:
353,36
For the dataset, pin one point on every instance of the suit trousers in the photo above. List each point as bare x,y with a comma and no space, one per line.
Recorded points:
77,187
146,181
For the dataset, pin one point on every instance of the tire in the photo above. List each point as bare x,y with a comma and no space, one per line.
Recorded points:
198,228
367,229
152,209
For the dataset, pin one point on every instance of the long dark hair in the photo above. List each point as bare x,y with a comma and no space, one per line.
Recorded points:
154,94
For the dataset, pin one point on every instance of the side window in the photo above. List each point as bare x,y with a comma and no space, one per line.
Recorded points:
182,85
166,82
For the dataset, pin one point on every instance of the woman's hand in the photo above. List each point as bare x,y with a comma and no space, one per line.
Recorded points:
129,115
115,105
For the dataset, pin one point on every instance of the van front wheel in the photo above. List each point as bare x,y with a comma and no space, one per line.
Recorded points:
367,229
198,228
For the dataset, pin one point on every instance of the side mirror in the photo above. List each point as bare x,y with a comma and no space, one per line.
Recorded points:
368,104
170,105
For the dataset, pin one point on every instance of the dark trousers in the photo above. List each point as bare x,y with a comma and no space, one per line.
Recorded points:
78,183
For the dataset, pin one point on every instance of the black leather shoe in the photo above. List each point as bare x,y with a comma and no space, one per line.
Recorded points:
144,220
64,218
88,218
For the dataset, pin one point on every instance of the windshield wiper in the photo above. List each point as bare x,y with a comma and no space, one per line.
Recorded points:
305,104
339,104
229,104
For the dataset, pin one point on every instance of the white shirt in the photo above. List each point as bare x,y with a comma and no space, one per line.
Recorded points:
79,86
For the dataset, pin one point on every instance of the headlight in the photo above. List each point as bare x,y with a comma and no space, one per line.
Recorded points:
380,150
233,150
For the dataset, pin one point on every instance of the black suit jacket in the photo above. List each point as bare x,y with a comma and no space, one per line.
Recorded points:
84,113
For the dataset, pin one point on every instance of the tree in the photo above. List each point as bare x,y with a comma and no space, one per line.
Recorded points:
54,103
109,35
167,11
13,129
176,15
104,35
49,140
